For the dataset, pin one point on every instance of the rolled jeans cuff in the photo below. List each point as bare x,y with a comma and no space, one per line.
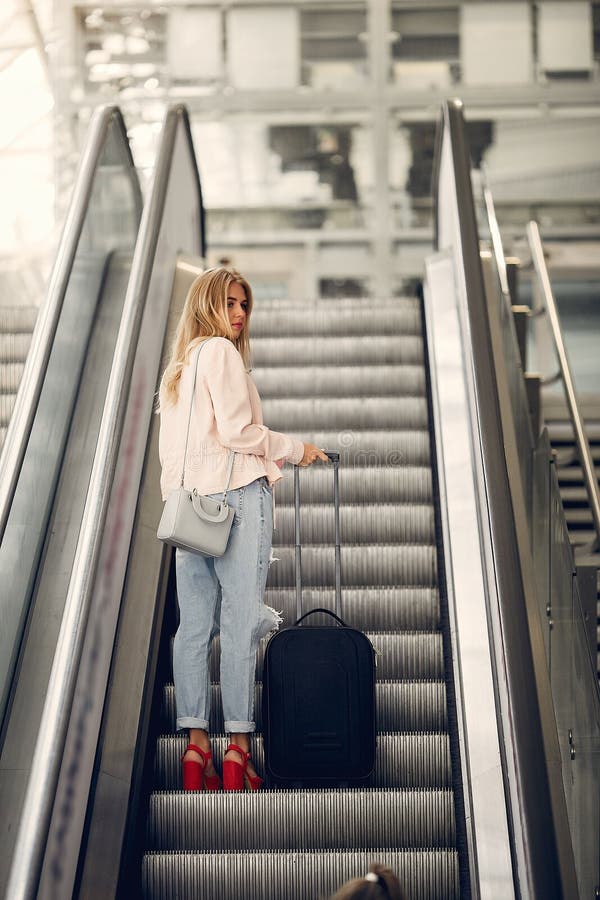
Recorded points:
232,727
191,722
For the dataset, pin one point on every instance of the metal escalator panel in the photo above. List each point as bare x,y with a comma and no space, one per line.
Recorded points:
369,402
47,582
92,260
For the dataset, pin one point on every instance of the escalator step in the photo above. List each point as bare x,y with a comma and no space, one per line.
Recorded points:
424,874
402,760
14,347
368,608
283,350
406,657
389,449
331,819
343,381
335,412
360,484
367,523
10,376
411,565
401,706
336,322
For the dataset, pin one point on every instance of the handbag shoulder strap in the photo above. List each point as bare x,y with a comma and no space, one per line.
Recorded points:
187,434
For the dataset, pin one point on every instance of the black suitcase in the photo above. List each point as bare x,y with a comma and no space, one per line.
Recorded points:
319,688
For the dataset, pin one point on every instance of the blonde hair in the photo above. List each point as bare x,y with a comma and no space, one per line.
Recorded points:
385,886
205,315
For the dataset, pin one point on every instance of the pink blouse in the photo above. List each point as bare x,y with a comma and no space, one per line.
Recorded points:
227,414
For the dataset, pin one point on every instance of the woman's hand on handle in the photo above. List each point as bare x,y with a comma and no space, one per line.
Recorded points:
311,454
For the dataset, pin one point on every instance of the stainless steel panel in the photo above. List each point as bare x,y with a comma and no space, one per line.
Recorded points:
49,583
466,553
540,534
584,744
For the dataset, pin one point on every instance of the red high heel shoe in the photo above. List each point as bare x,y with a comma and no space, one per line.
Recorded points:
235,773
194,778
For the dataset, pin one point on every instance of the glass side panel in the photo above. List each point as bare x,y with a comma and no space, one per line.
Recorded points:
100,268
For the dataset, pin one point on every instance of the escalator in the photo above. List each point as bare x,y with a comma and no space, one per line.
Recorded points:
72,348
464,797
352,377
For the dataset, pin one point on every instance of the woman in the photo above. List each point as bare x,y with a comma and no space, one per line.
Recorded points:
221,593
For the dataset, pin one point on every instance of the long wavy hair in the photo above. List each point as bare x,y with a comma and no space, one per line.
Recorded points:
205,315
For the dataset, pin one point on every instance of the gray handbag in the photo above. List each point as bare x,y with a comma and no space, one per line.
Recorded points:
191,521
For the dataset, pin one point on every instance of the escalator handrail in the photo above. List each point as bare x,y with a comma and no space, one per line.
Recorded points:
495,235
534,753
581,439
33,828
30,388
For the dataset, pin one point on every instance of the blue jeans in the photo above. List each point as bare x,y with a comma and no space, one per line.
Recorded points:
225,594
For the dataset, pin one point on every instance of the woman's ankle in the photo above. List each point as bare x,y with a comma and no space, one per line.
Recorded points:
200,738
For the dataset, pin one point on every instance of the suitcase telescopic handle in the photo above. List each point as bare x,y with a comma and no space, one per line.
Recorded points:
323,611
334,456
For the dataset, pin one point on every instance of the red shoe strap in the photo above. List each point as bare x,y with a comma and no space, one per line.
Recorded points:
245,754
205,754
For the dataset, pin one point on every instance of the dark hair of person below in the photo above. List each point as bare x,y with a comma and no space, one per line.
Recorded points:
385,887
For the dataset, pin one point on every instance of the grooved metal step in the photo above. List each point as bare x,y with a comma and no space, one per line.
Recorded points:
283,350
383,564
366,447
18,319
299,875
14,347
10,376
373,523
7,404
402,760
335,412
401,706
341,381
369,608
399,655
330,819
359,484
337,321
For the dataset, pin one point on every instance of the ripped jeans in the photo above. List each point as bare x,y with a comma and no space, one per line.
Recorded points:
225,594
